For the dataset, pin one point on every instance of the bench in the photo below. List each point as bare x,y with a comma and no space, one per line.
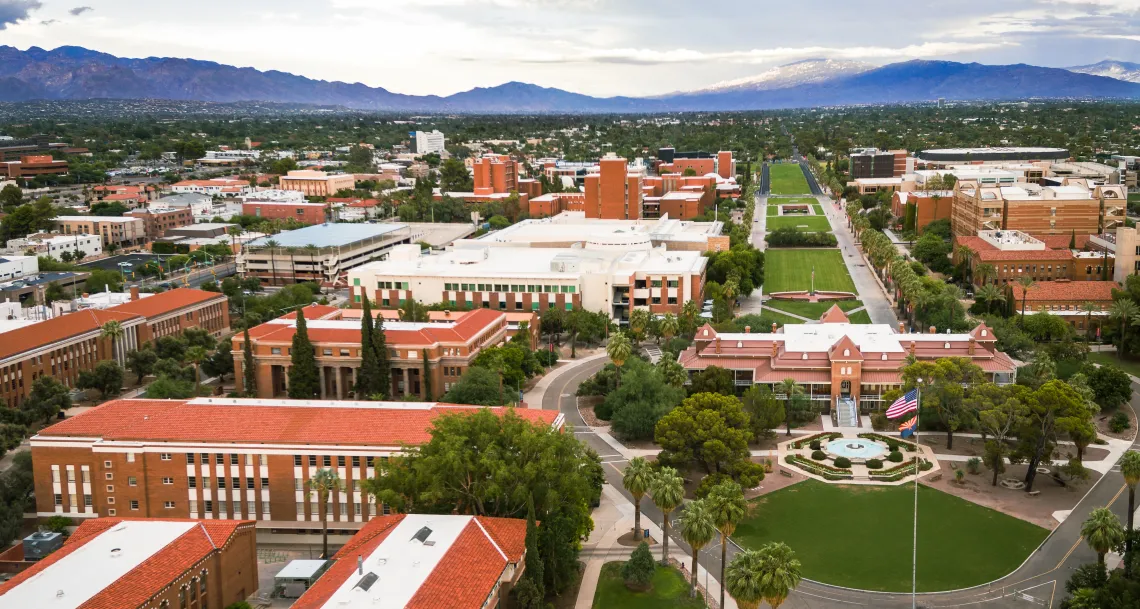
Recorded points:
784,472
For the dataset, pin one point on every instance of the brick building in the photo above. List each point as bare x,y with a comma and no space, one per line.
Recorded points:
453,561
32,166
449,346
613,192
115,230
64,346
1038,210
928,206
130,563
1014,254
316,183
305,213
157,222
875,163
1067,299
216,458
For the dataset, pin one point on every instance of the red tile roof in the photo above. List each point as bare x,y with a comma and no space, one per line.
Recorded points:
58,329
167,302
464,329
226,420
1095,291
149,577
1061,242
363,543
834,315
986,252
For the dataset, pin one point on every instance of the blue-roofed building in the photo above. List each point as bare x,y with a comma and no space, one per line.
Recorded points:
323,252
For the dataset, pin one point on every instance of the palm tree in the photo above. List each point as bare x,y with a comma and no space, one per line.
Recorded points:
637,480
1130,468
1026,284
638,322
1103,532
790,388
292,251
197,355
1088,308
744,579
312,250
619,349
113,330
667,490
990,294
669,326
323,483
272,246
690,312
698,529
780,573
1124,310
984,271
234,231
726,502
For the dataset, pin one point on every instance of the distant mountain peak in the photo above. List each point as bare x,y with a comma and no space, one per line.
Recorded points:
805,71
1111,68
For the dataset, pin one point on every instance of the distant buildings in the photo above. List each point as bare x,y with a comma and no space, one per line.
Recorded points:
316,183
15,267
115,230
1015,254
428,142
875,163
1067,300
305,213
217,187
1076,205
613,273
54,245
928,206
945,157
574,229
132,562
157,221
335,249
229,157
31,166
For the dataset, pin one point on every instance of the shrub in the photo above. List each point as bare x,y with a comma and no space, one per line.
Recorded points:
239,605
604,411
1119,422
710,481
880,422
892,446
959,475
874,464
974,465
58,524
842,462
790,237
546,358
895,457
638,570
815,445
818,455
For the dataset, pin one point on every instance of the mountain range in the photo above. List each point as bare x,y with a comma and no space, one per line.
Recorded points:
75,73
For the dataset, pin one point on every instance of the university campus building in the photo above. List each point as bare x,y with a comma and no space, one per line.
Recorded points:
845,368
219,458
131,563
1015,254
426,358
1076,205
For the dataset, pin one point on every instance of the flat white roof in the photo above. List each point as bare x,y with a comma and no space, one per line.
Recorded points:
120,219
574,226
354,324
872,338
401,563
85,572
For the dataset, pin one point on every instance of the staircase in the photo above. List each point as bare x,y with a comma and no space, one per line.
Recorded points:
847,413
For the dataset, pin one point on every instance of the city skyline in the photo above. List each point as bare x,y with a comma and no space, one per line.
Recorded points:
597,47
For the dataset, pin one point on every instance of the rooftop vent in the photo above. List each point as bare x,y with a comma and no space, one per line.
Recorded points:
422,535
366,582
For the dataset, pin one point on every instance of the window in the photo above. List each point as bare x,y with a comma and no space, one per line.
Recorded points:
109,476
265,483
134,504
298,484
209,505
234,459
59,499
106,465
340,461
297,460
132,481
130,457
111,512
221,482
192,482
312,460
356,461
327,460
205,458
87,501
235,483
168,505
327,352
277,350
190,458
164,456
168,480
219,459
110,500
368,461
205,482
249,483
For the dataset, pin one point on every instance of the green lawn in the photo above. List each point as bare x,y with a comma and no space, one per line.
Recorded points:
773,210
860,537
1109,357
860,317
780,318
788,270
811,310
804,223
670,590
788,179
818,209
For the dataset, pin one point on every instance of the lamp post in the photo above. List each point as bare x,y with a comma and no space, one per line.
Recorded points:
122,271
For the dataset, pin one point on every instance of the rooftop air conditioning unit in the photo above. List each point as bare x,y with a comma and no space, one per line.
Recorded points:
40,544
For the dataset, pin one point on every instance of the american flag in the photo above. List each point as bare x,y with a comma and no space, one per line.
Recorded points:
903,405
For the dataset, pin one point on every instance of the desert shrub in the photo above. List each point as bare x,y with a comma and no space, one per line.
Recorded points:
874,464
895,457
818,455
604,411
880,422
1119,422
974,465
959,475
842,462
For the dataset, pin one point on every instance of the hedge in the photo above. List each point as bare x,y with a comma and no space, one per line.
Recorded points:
819,437
888,440
816,468
796,459
899,472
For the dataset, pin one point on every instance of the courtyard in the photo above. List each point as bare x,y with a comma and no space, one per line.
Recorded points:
860,536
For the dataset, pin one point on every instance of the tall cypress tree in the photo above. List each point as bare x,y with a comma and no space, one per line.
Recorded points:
368,381
250,375
427,377
533,560
304,378
383,364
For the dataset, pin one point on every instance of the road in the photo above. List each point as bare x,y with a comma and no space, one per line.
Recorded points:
1039,582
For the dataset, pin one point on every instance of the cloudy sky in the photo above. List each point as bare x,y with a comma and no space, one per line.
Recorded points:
600,47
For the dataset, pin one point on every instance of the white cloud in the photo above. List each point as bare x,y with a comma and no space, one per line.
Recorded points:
14,11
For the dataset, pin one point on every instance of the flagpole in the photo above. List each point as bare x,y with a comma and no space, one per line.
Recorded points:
917,452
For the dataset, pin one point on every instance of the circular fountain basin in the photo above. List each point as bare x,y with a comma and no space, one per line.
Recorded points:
855,448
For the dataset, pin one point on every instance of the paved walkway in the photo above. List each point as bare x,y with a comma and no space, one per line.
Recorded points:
753,303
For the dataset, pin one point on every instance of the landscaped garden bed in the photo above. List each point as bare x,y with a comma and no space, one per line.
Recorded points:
822,470
819,437
888,440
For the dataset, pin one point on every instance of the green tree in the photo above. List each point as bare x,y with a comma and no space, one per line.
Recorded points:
533,571
990,294
1102,531
368,380
1130,468
668,492
727,505
1111,386
112,331
141,362
638,403
713,379
669,327
11,196
638,324
764,411
697,529
107,377
197,355
249,369
1000,413
48,398
672,372
639,569
713,431
619,350
1051,407
637,479
984,271
454,177
790,388
28,218
780,572
323,483
944,384
744,579
1123,310
304,378
478,386
488,464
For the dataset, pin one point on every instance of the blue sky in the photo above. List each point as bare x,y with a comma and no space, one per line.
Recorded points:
599,47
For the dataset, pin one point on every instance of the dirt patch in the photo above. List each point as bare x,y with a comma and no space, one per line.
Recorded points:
1103,419
568,598
1092,453
967,447
629,540
1036,509
774,481
586,407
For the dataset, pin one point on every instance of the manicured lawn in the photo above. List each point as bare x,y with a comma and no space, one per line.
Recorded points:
860,537
788,270
818,209
860,317
1109,357
670,590
803,223
773,210
780,318
811,310
788,179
